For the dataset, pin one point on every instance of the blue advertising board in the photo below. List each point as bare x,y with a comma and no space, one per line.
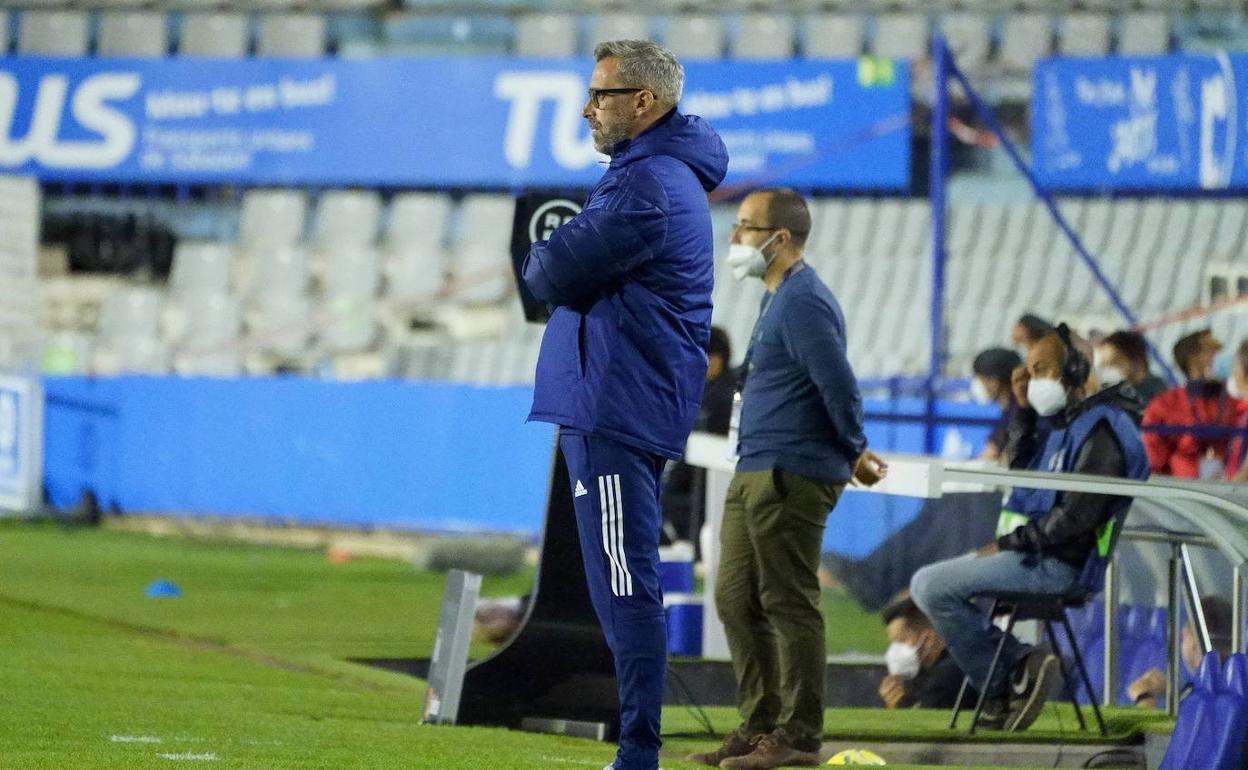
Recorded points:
1169,123
409,455
479,122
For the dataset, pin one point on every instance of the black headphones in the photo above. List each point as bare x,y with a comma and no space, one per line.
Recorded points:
1076,367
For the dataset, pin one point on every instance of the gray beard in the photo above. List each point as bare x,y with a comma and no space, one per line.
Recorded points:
605,141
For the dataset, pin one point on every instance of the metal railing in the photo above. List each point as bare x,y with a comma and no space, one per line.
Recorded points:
1217,519
1199,499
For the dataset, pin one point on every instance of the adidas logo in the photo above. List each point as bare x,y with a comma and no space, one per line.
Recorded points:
581,491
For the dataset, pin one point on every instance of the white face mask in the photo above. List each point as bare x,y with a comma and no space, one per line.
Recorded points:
979,391
1232,388
902,660
1047,397
1110,376
749,261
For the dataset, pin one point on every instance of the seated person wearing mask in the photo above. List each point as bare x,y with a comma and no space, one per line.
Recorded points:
1123,357
1204,402
1051,542
1148,690
920,672
990,384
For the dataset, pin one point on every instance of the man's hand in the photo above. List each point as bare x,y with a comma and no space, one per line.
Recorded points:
869,468
892,690
988,550
1019,379
1145,690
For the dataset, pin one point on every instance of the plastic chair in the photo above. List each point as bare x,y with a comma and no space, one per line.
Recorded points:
832,36
763,36
1146,32
546,34
141,34
53,33
1050,609
901,35
616,25
1188,747
347,218
693,36
1226,746
292,35
221,35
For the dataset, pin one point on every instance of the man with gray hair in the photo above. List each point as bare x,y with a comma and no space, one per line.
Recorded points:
624,358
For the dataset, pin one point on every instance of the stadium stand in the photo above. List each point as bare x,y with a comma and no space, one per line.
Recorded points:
1005,258
981,34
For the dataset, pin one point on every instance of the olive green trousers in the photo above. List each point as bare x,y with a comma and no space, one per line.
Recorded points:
767,595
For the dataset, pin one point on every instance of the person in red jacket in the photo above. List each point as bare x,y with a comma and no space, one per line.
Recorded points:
1203,401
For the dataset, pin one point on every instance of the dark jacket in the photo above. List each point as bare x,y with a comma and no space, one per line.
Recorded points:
630,277
935,687
801,410
1068,530
684,490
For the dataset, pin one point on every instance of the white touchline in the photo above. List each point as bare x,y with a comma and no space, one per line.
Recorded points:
136,739
188,757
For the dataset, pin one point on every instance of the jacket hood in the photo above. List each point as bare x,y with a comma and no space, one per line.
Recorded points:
688,138
1123,395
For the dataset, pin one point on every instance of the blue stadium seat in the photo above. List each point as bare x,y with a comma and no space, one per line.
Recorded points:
1150,654
1189,745
1157,624
1226,744
1135,621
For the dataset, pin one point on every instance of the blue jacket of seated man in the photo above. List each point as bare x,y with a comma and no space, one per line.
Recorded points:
1079,528
630,278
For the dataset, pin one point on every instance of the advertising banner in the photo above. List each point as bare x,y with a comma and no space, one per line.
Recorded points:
1166,123
439,122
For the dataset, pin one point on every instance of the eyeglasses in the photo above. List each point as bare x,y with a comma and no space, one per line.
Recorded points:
596,94
738,227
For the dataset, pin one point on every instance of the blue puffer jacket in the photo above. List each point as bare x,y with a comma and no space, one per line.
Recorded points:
624,353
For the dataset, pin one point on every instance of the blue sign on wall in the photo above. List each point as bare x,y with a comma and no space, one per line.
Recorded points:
1141,123
413,455
484,122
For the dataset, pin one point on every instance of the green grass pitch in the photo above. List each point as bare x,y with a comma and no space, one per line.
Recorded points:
248,669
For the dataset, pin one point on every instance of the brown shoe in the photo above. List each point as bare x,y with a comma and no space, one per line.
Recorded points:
736,744
774,750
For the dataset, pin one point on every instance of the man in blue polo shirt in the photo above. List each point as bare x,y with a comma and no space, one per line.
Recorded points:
799,420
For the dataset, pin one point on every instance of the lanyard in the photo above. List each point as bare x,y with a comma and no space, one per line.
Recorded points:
768,298
734,423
